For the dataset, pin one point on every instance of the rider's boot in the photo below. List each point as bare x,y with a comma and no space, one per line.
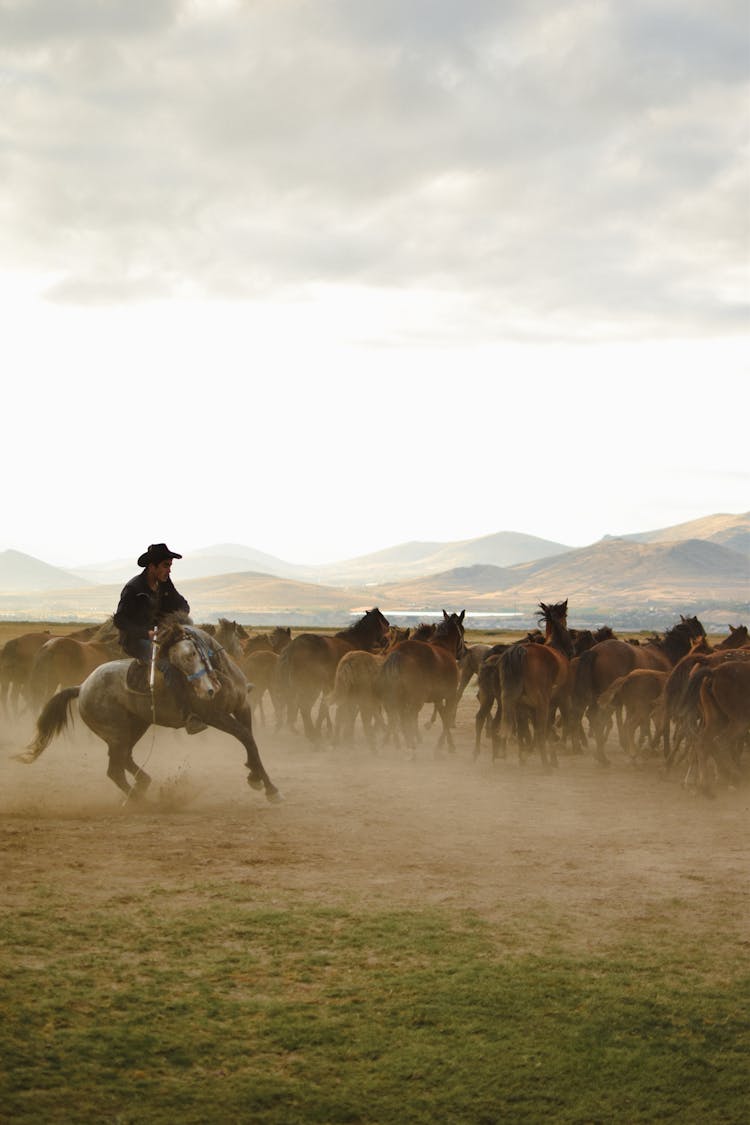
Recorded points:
181,693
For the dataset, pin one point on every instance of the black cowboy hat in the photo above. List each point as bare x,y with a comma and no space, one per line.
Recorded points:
156,553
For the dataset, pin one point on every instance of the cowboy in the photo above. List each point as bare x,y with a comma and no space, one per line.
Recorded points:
144,601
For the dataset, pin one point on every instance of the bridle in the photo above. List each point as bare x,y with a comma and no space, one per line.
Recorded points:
204,654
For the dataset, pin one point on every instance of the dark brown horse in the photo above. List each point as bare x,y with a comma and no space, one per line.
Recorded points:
724,695
16,660
601,665
488,696
419,672
532,682
680,710
308,666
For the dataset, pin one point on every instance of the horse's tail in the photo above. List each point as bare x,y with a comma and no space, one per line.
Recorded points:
510,672
52,720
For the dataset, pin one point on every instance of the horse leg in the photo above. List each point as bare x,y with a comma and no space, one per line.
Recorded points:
598,728
480,721
141,779
408,717
305,703
541,732
120,749
369,715
323,719
446,709
241,727
120,761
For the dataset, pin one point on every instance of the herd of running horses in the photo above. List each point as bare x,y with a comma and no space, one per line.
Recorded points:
558,689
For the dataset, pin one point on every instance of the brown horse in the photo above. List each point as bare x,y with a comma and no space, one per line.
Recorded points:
532,682
63,661
275,641
356,692
308,666
601,665
488,696
16,660
262,670
356,689
724,702
637,701
680,709
419,672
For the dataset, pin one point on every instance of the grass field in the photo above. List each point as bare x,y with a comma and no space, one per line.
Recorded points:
237,1010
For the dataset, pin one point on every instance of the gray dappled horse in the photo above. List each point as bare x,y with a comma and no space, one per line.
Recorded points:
120,714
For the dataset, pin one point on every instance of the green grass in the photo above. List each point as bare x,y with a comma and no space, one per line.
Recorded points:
233,1011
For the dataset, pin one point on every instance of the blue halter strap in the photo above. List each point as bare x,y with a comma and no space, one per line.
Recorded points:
204,652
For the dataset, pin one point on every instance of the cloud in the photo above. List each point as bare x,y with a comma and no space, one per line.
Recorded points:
575,170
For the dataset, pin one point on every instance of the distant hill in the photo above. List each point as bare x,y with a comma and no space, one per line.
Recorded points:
504,548
634,576
729,530
611,572
406,560
24,572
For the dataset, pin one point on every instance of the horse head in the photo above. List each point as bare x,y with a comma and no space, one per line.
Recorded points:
693,627
453,623
555,618
189,650
229,635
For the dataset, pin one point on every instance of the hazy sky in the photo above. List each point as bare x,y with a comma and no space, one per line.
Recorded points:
321,277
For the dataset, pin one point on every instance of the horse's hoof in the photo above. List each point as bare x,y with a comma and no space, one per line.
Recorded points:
274,797
254,782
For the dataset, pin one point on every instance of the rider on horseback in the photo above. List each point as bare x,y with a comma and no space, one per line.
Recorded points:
144,601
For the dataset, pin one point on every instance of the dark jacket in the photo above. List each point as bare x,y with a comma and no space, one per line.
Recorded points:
141,608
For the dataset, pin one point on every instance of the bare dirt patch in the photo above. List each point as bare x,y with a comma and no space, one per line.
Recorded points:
582,855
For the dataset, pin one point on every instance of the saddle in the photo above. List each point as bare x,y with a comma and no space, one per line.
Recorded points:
136,678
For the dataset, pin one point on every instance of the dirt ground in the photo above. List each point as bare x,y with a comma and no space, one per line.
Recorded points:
589,853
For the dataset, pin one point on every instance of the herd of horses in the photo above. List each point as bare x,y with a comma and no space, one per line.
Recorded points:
558,690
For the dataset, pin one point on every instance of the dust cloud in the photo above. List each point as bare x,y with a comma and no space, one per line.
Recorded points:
598,849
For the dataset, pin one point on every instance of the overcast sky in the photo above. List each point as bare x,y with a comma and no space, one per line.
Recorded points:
324,277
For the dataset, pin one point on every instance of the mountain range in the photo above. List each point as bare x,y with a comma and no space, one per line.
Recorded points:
701,566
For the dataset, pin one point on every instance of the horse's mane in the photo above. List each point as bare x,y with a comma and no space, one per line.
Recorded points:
678,639
369,626
171,629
